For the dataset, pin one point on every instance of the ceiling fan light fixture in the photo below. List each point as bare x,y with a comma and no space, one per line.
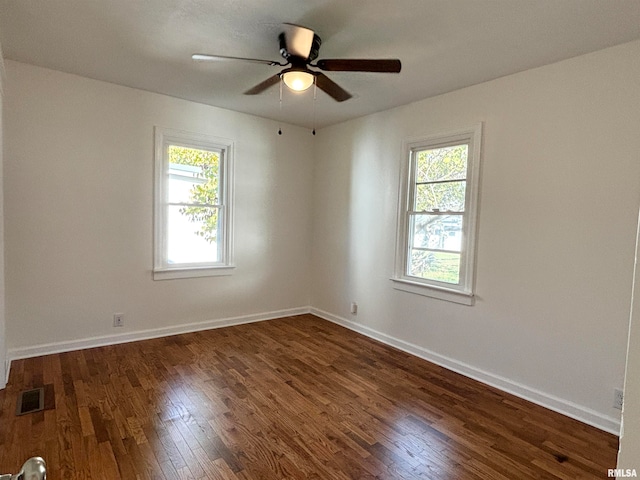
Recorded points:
297,80
299,46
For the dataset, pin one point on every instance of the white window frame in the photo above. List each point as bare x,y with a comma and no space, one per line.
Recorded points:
162,270
463,292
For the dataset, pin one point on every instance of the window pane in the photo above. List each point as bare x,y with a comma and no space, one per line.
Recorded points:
183,185
440,196
447,163
193,175
192,234
438,266
438,232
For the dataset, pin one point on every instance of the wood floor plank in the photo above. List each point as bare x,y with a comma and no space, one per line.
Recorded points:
291,398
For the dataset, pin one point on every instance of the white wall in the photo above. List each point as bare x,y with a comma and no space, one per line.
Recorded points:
3,348
79,199
558,209
629,454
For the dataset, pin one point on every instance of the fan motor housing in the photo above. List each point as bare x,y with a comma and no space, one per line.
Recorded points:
313,53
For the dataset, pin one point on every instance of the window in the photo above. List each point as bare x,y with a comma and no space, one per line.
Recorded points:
193,216
437,216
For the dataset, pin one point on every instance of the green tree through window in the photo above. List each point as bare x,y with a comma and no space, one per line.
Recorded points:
205,194
440,187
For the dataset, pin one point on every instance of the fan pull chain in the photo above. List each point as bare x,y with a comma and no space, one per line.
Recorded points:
279,128
315,95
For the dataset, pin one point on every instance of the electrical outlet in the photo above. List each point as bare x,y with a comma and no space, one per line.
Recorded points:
618,397
118,319
354,308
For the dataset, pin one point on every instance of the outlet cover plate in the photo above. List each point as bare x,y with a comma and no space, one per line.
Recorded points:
118,319
618,398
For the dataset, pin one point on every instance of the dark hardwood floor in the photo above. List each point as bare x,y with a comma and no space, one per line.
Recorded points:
292,398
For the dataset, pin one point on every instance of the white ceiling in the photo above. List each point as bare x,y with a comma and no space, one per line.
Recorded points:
444,45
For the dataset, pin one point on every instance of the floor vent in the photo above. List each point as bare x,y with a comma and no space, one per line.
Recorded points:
30,401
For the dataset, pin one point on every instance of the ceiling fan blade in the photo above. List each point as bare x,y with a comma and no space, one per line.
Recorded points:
203,57
331,88
262,86
299,40
360,65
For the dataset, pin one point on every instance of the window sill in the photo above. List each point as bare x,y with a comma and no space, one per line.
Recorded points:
191,272
441,293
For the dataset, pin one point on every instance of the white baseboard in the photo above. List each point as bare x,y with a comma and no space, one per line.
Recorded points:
4,380
58,347
570,409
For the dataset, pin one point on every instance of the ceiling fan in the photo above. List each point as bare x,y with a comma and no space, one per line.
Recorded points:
299,46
